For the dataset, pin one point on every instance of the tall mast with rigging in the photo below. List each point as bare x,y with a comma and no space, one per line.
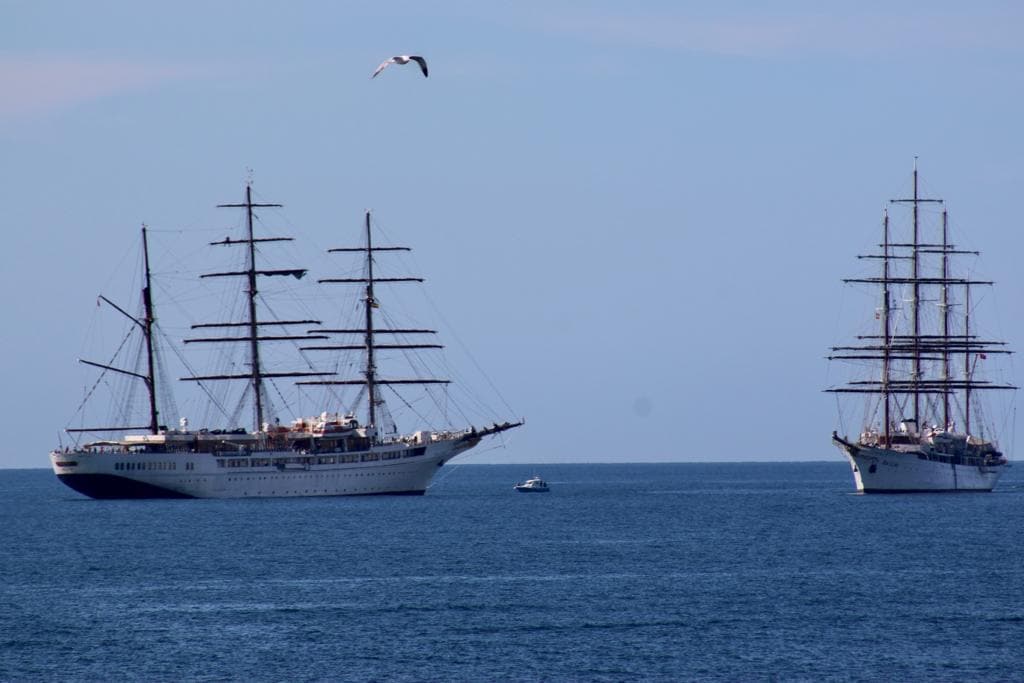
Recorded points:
370,303
968,375
256,374
918,347
147,302
146,325
915,281
254,346
944,304
886,336
370,380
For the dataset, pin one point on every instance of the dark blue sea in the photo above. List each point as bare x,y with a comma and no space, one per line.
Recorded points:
731,572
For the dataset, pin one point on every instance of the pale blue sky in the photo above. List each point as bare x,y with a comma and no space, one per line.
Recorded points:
635,214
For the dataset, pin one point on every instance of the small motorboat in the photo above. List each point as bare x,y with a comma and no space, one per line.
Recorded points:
533,485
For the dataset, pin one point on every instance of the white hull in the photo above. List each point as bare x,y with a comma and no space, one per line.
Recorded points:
883,470
385,469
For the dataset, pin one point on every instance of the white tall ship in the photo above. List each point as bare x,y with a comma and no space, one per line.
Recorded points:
923,427
328,454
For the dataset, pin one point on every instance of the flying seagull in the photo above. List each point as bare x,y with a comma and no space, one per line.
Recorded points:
403,59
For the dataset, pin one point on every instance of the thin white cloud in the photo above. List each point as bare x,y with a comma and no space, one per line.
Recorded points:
776,35
33,86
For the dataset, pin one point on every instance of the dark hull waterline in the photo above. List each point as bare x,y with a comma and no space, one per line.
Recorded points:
112,487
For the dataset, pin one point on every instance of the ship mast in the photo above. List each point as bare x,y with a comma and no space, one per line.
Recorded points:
147,302
916,308
146,325
250,273
256,374
915,280
254,347
886,338
918,348
945,318
369,332
371,368
967,359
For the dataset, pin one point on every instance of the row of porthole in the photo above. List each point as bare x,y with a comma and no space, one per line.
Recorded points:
264,478
319,476
320,460
325,491
147,466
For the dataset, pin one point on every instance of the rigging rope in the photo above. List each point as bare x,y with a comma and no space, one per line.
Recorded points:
99,379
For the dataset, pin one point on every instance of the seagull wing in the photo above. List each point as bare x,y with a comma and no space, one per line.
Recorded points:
422,62
382,65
